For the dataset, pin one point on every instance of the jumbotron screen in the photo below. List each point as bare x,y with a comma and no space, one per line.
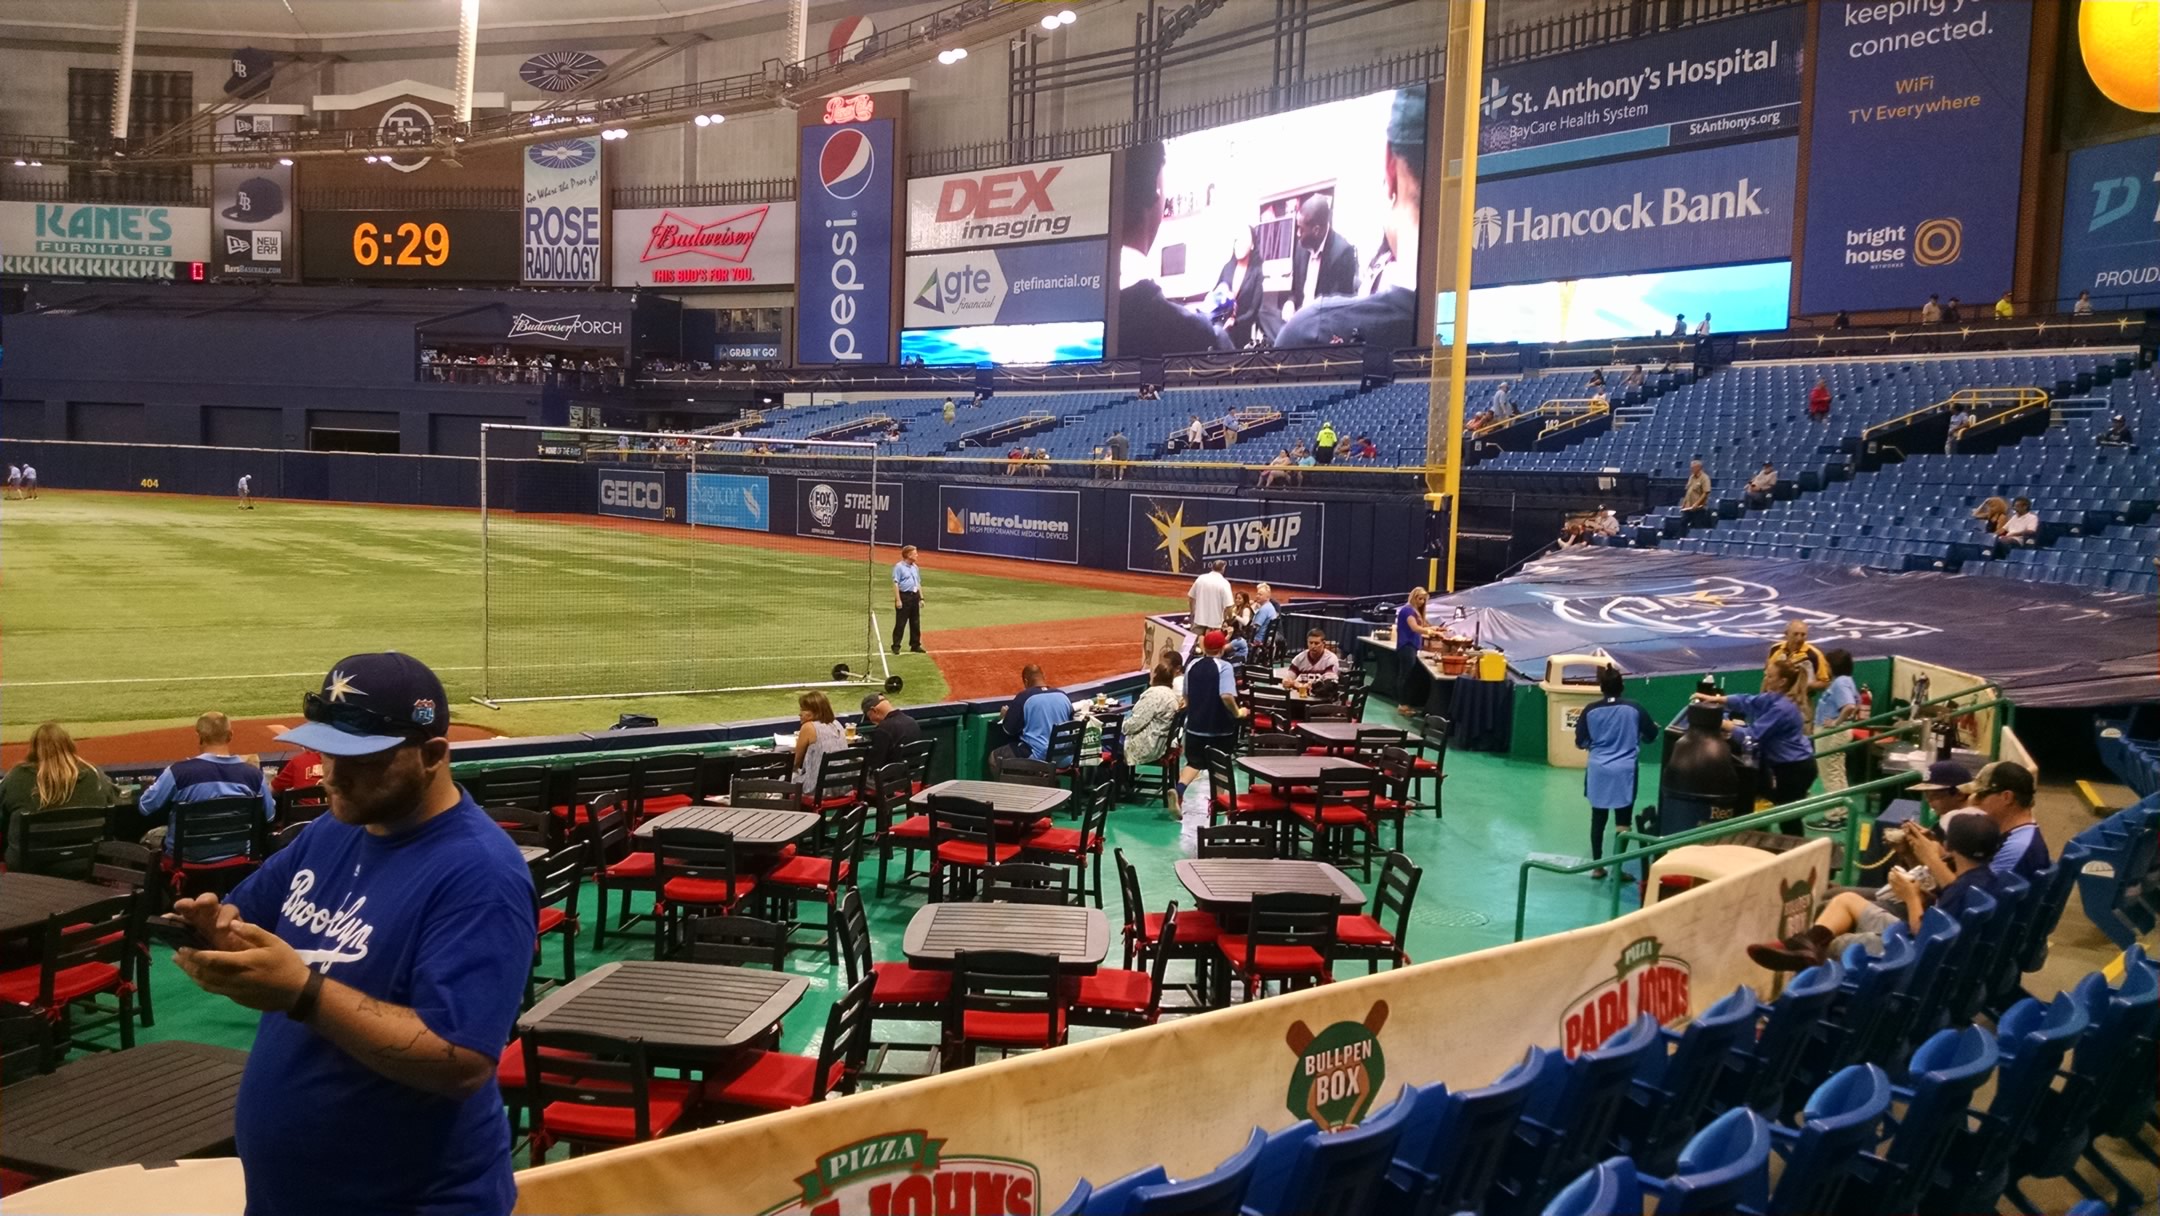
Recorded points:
1045,342
1295,229
1738,299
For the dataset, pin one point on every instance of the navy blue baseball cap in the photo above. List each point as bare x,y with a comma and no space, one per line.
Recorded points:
371,703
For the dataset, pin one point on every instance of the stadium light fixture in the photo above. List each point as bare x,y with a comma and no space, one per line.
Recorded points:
952,56
20,163
717,119
703,120
368,159
1050,22
36,163
285,161
1067,16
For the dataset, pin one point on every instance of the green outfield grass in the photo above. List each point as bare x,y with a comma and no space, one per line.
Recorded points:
120,612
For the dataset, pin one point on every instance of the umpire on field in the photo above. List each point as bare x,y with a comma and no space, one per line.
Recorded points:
907,600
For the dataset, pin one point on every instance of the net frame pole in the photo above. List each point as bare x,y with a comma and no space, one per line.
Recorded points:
705,444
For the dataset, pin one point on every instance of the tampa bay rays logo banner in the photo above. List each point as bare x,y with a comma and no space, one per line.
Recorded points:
1259,540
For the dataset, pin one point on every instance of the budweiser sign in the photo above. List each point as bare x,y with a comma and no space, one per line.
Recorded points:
743,245
562,329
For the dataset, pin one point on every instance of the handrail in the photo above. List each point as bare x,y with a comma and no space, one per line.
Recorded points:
1555,407
2025,408
1889,715
1597,409
1712,831
1080,467
1964,396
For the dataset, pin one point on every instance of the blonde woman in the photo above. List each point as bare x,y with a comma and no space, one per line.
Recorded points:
50,777
819,736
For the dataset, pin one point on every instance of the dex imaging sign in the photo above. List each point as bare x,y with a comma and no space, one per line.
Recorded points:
1050,201
634,494
844,284
1700,208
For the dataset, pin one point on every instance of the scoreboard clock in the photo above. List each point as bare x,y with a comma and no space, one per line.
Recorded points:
411,246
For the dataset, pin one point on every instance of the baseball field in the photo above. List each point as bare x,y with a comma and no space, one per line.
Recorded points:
125,613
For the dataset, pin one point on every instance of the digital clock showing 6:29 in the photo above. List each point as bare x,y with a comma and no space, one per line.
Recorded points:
438,246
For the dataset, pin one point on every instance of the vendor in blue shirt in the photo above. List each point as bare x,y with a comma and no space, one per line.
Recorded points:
1030,715
1613,731
1414,683
1779,733
387,948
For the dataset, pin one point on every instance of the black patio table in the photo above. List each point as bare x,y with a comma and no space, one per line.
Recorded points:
753,827
1337,734
1005,799
1283,771
27,900
686,1012
146,1105
1228,884
1079,937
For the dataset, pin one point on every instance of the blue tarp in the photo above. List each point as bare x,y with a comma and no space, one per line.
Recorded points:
1659,612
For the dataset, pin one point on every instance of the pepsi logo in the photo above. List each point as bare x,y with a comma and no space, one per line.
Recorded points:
847,163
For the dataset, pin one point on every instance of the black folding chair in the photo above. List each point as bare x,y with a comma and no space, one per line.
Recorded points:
61,842
1237,840
963,841
1028,882
1006,999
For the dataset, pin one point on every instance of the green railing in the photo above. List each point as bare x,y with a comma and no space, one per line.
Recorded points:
1709,832
1893,720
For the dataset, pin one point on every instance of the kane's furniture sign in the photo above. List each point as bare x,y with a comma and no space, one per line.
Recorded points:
1049,201
845,510
731,500
562,211
1712,83
1915,147
1039,525
634,494
100,240
1275,542
751,245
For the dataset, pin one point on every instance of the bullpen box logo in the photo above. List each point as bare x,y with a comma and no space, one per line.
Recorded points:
1796,906
1339,1071
1645,980
634,494
1279,542
903,1172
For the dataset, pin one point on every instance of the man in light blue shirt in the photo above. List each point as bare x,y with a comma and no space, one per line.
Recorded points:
1263,616
1031,714
216,773
907,600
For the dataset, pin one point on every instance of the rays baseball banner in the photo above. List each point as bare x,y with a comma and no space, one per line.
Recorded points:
1915,149
1039,525
1022,286
254,206
1708,207
100,240
843,292
844,510
730,500
1712,83
2111,224
1275,542
634,494
562,211
749,245
1049,201
1335,1054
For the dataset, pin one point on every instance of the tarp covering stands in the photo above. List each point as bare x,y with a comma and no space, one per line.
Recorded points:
1663,612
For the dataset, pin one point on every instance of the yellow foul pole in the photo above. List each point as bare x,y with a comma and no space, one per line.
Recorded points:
1458,201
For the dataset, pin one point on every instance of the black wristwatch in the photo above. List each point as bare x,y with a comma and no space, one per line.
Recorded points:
303,1006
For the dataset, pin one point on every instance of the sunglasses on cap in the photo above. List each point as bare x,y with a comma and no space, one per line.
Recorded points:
356,719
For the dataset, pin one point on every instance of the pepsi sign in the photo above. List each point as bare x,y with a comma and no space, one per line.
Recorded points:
845,206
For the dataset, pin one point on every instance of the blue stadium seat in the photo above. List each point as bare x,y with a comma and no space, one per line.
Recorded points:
1570,1117
1453,1143
1946,1071
1725,1164
1302,1169
1609,1188
1671,1090
2032,1040
1758,1070
1150,1192
1840,1119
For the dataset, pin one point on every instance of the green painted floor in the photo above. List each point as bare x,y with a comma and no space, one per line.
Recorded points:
1498,811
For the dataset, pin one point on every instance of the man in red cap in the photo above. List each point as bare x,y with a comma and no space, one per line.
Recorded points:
1211,707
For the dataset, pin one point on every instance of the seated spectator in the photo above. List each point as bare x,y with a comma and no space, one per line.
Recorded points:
1314,665
1147,727
215,773
1013,460
1991,514
2083,306
1277,472
1762,485
1042,462
2022,528
819,736
1634,378
1366,449
2004,792
1305,461
1031,713
1480,420
1598,397
1597,377
1575,532
51,777
302,770
1969,842
2118,435
890,730
2003,308
1607,522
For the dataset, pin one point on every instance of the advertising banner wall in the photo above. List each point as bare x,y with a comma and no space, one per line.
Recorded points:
1025,285
751,245
1707,207
731,500
1049,201
2111,224
1015,1135
562,211
1040,525
842,510
1713,83
1915,153
101,240
843,290
254,205
634,494
1277,542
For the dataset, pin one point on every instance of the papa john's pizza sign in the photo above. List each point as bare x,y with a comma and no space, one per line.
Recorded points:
1645,980
901,1173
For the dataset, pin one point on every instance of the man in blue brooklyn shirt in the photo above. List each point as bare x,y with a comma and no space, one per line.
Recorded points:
387,948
